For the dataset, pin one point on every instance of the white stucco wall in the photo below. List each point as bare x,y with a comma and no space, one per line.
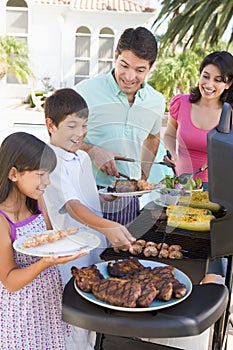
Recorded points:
51,41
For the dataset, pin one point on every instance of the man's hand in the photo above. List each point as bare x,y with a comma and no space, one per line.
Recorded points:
104,160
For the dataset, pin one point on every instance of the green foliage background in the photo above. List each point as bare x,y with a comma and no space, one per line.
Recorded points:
178,72
14,59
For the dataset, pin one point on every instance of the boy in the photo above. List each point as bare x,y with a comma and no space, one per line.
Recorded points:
72,198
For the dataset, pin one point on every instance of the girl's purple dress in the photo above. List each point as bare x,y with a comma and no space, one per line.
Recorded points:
30,319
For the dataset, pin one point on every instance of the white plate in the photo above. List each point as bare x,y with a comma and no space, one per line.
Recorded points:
160,203
155,305
124,194
82,241
190,191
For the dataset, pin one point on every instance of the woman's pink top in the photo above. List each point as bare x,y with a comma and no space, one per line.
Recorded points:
192,141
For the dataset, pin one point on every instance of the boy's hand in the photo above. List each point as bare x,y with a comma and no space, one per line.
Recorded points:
120,237
107,197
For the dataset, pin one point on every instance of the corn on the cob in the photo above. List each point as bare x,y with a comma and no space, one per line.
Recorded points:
199,200
190,222
180,209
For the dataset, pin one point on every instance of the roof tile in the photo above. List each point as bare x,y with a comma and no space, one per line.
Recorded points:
100,5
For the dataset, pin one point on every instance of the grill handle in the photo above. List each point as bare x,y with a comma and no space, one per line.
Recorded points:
225,121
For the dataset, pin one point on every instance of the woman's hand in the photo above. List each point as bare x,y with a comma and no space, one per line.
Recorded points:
170,157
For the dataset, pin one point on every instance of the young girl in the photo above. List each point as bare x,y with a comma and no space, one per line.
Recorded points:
30,287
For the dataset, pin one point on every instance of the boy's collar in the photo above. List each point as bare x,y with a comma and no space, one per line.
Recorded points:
65,154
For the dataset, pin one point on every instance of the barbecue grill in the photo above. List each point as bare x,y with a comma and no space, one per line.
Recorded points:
195,245
208,304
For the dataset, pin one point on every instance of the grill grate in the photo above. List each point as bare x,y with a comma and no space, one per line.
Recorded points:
195,246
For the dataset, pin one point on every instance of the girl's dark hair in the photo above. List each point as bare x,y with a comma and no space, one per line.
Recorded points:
64,102
224,61
141,42
25,152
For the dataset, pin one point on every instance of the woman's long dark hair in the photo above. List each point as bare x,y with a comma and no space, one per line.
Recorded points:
224,61
25,152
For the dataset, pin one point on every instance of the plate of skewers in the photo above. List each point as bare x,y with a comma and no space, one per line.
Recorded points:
57,242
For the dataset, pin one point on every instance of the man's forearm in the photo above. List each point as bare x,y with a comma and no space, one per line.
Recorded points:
149,151
92,150
86,146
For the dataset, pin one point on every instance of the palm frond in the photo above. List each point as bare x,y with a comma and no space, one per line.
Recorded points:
14,59
188,19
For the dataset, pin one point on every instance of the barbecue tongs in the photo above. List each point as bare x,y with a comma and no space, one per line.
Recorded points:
168,164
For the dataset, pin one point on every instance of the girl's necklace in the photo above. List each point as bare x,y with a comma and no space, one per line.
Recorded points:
14,213
16,216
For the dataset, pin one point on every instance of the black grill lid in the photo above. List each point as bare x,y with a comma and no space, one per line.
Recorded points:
220,170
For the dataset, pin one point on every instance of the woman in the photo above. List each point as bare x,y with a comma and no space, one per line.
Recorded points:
192,116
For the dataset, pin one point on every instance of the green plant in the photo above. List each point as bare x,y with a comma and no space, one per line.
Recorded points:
190,19
178,72
41,94
14,59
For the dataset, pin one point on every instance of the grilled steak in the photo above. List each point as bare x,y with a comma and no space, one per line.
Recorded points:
165,289
123,267
116,291
163,271
132,284
86,276
166,274
179,289
146,277
149,293
126,186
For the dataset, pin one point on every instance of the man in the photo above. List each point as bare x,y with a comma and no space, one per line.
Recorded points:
125,118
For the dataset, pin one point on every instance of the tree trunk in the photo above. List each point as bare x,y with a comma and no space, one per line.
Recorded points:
2,70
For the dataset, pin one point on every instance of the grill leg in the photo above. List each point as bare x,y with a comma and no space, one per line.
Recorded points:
221,326
98,342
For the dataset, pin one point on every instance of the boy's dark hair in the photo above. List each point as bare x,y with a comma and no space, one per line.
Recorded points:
224,61
141,42
25,152
64,102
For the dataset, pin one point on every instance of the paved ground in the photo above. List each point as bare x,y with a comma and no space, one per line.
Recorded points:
16,116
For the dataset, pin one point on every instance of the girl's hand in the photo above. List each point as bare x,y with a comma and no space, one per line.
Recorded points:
56,260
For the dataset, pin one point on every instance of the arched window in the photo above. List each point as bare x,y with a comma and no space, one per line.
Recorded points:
105,55
82,54
16,25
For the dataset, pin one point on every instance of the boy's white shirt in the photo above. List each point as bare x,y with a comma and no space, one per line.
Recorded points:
73,179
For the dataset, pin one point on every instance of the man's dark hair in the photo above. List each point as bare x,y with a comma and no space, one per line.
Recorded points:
141,42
